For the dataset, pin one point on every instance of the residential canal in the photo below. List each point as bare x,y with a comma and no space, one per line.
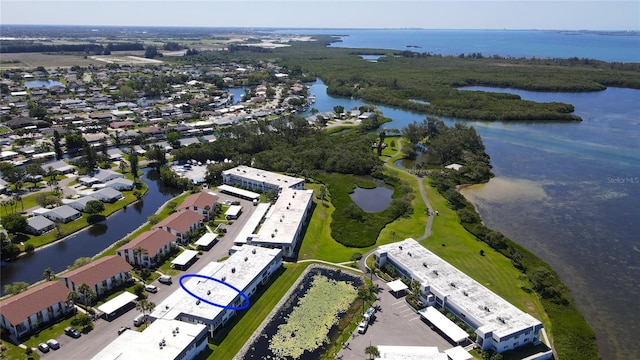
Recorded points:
90,241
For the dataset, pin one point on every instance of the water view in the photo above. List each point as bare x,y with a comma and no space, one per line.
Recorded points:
372,200
568,192
90,241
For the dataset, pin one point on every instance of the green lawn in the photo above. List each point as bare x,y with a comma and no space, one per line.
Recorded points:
453,243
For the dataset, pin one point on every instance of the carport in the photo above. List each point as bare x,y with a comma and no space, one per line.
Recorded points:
184,260
446,326
111,307
241,193
396,286
206,241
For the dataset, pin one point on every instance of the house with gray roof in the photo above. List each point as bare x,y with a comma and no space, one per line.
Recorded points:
100,176
119,184
59,166
79,204
39,224
107,194
63,213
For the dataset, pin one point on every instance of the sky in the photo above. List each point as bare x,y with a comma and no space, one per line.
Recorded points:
427,14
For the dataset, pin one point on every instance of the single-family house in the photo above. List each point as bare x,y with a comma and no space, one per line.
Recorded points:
119,184
115,154
204,203
80,203
100,176
60,166
154,243
3,186
33,308
107,194
62,213
101,275
180,223
39,225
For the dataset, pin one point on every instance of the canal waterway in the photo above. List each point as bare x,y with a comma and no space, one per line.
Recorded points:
90,241
567,191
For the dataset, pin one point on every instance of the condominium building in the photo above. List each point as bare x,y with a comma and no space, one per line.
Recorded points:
163,339
247,270
499,326
283,224
260,180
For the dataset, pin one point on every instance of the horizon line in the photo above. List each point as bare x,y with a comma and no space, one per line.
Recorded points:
325,28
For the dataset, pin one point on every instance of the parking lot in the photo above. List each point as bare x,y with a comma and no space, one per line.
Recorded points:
395,323
105,332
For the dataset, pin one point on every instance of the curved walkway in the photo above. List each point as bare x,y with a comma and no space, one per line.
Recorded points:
427,230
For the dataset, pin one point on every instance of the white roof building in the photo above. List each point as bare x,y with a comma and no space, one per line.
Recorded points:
498,324
246,270
283,224
261,180
163,339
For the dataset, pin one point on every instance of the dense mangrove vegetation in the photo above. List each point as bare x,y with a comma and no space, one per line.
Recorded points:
398,78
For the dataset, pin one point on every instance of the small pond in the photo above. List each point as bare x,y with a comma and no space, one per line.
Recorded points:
260,348
372,58
373,200
42,84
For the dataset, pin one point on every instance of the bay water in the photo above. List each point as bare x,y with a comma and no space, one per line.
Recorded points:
567,191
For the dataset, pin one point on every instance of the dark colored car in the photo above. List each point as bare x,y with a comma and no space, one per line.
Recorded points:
71,331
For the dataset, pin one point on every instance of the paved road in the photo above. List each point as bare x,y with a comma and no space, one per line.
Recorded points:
104,332
395,323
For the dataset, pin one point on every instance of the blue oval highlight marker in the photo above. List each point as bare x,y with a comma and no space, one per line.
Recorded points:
242,294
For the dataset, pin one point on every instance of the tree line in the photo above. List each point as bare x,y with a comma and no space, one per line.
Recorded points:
97,49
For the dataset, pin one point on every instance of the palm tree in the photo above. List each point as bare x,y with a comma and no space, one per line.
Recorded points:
137,253
145,306
48,274
207,208
86,293
372,351
73,298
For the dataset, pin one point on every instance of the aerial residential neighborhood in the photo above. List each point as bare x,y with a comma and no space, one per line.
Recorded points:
215,246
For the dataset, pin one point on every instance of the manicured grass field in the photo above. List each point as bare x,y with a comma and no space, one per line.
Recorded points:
454,244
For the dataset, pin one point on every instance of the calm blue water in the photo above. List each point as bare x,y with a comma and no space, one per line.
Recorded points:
586,223
529,43
88,242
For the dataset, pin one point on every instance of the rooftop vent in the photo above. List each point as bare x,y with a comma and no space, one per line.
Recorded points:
486,308
502,320
254,250
208,292
452,285
400,247
233,270
409,254
246,258
435,272
425,264
466,293
197,302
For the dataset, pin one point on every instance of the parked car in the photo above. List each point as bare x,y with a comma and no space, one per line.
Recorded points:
165,279
43,347
139,320
71,331
53,344
369,314
123,329
362,327
151,288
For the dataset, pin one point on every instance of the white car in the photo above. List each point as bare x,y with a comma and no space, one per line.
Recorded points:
362,327
43,347
53,344
151,288
165,279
